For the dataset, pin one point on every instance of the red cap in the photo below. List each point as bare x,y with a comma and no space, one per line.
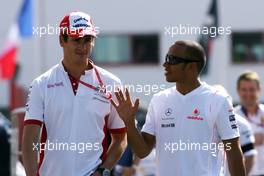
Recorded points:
77,24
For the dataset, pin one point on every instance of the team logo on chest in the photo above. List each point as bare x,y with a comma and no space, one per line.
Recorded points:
168,114
55,85
196,112
195,115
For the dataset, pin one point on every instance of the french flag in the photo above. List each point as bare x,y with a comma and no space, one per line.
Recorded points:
21,29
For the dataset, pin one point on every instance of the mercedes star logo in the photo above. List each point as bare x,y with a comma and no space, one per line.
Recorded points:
168,112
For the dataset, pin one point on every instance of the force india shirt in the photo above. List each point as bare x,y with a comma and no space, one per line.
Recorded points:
188,130
74,126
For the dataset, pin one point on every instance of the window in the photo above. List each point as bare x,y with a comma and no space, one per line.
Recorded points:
122,49
248,47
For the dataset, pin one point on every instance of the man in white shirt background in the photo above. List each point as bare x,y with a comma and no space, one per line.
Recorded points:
248,89
247,139
247,142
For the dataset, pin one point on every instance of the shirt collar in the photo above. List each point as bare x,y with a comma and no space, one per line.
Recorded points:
245,112
193,92
62,67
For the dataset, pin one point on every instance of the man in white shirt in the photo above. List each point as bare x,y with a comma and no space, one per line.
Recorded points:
187,123
70,106
248,88
247,142
247,139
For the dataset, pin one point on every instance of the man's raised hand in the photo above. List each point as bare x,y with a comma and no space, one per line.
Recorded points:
125,107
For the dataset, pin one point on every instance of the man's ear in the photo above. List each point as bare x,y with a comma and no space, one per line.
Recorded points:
93,42
192,67
61,40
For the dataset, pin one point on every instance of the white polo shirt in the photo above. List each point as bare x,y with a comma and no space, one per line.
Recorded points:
188,129
257,123
74,126
246,139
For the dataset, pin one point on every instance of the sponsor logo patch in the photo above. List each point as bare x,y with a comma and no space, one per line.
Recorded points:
168,125
195,115
55,85
168,114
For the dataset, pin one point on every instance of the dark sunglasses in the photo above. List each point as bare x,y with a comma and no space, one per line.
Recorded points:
174,60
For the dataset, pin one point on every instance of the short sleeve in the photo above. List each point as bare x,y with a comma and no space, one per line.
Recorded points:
149,126
115,123
226,121
247,138
35,105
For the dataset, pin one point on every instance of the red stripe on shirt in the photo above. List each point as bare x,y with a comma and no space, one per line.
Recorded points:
32,122
74,83
105,142
117,131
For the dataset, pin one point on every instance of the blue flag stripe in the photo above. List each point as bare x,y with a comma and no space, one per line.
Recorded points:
25,19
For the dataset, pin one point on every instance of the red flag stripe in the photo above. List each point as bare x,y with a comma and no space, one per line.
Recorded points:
7,63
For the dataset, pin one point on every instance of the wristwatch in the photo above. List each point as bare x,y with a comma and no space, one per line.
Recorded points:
103,171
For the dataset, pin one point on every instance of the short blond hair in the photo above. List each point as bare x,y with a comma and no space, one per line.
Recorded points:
248,76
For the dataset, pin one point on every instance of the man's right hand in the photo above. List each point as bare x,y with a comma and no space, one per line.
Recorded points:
142,144
125,107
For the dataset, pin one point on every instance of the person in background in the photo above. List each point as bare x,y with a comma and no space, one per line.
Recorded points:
247,139
248,89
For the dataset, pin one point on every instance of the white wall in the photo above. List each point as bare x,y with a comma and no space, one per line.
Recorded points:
124,16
